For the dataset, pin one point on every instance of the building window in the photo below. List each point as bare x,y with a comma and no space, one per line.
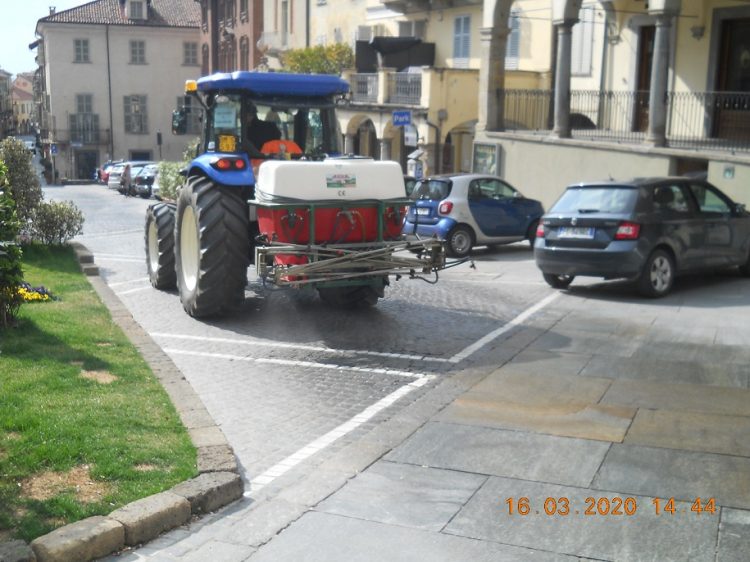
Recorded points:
512,50
84,124
244,53
190,54
81,50
204,60
136,115
412,28
136,10
193,111
137,52
204,16
582,43
284,23
461,41
84,103
244,15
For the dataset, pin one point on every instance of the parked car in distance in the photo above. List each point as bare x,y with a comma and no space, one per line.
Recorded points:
648,230
468,210
144,180
102,173
115,173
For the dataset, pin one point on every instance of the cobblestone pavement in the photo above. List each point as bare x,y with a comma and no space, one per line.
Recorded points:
396,433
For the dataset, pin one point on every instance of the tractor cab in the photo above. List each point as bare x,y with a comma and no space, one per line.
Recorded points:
249,117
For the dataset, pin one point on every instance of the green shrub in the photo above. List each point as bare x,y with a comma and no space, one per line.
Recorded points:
320,59
22,180
56,222
11,275
170,179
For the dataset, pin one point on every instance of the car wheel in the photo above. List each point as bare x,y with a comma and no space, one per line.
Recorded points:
558,281
460,241
531,233
657,277
745,269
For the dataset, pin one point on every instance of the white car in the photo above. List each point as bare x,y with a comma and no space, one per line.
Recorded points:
115,172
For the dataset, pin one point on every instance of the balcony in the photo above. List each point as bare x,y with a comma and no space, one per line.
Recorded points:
387,87
718,121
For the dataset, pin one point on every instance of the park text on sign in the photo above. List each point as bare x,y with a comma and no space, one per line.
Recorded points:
53,148
401,118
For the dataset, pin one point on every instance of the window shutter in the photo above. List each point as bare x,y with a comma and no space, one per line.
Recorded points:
582,42
514,41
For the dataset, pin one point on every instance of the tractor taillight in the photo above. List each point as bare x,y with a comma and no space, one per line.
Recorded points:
445,208
229,164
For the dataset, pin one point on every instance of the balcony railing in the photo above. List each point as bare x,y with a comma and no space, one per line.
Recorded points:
405,87
84,128
709,120
364,88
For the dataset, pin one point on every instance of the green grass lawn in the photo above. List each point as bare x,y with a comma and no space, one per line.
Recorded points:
85,427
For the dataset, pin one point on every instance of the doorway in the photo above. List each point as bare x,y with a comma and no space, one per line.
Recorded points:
732,117
87,162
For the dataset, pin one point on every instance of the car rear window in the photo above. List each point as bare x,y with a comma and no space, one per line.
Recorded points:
434,190
609,199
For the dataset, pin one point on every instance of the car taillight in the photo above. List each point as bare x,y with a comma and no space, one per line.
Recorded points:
628,231
540,230
445,208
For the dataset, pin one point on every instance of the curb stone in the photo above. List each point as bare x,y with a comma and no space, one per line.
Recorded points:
217,485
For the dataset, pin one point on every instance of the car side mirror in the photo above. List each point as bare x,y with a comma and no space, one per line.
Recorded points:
739,208
179,122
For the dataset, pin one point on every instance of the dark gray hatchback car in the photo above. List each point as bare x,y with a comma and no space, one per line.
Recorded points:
648,230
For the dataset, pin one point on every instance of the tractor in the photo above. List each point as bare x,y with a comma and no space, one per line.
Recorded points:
270,186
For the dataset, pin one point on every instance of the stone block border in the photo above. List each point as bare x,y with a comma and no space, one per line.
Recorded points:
218,484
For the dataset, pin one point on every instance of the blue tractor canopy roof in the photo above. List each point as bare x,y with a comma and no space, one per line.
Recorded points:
274,83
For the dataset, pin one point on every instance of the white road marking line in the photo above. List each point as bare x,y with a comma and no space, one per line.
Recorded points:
480,343
294,363
120,259
136,290
301,347
322,442
139,280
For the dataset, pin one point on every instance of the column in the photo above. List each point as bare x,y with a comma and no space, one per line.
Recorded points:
490,110
657,97
348,144
562,79
385,149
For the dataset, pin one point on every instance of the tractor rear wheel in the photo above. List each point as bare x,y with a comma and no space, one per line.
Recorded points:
160,246
212,247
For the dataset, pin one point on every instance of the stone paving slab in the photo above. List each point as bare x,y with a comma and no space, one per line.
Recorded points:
322,537
541,389
734,535
641,537
586,421
499,452
577,341
405,495
684,475
679,397
539,361
662,370
729,435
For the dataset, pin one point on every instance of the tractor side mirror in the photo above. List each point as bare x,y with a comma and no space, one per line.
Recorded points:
179,122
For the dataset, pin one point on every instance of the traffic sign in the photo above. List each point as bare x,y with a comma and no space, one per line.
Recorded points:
401,118
53,149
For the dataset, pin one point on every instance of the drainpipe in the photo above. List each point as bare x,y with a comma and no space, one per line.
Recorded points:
307,23
437,143
109,87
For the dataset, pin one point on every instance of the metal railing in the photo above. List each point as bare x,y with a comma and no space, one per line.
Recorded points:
405,88
709,120
365,88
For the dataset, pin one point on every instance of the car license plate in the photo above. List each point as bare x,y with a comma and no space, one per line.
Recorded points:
423,211
576,232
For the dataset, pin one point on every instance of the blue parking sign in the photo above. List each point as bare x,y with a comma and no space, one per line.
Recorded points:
401,118
53,148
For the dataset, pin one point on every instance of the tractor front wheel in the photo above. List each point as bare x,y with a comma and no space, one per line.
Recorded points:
160,246
212,247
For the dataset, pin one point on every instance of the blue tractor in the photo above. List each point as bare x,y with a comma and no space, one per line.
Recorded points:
269,185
